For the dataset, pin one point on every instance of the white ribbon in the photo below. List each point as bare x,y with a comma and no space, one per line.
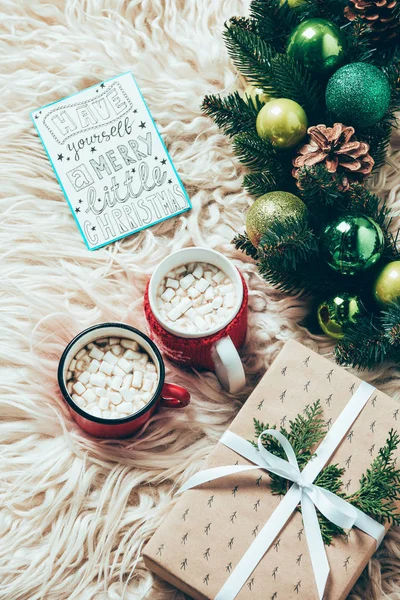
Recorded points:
303,491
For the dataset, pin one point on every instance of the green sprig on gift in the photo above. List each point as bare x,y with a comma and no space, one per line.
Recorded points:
379,486
314,121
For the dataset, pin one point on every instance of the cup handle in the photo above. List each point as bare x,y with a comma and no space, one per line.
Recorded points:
174,396
228,365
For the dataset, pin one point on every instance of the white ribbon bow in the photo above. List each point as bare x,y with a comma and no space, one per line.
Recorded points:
303,491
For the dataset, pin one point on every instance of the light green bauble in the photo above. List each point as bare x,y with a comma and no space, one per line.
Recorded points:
283,122
293,3
270,208
337,312
387,285
317,44
352,244
255,92
358,94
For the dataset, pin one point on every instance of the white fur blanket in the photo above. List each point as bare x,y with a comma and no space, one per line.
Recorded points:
76,512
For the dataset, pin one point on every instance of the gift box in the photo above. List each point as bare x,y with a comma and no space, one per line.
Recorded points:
212,526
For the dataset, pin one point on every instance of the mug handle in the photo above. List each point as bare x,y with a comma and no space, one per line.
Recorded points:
174,396
228,365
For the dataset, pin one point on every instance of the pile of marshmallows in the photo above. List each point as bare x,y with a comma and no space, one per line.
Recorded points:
112,378
196,297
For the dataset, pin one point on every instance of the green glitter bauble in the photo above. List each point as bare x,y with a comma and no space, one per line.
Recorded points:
352,244
283,122
272,207
318,44
358,94
336,312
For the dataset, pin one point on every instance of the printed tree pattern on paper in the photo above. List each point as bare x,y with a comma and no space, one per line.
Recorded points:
234,522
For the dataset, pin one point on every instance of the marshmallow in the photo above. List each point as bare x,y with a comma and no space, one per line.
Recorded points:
89,396
79,388
137,379
168,295
198,272
118,371
187,281
218,277
94,366
202,284
116,397
116,383
217,302
172,283
205,309
104,403
84,377
129,344
111,358
98,379
125,365
96,353
125,407
106,367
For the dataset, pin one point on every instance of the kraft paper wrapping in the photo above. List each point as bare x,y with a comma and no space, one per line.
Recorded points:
210,527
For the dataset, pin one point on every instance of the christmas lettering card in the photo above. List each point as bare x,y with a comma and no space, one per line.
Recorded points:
110,161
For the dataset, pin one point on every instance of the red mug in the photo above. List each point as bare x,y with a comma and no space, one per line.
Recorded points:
215,350
166,394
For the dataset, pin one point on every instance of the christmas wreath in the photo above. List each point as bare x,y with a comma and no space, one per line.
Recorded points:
323,85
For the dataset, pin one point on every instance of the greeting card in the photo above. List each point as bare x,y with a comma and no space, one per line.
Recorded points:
110,161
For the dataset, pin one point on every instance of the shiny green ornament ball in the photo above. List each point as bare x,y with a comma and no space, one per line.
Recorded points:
358,94
318,44
272,207
283,122
337,312
387,285
352,244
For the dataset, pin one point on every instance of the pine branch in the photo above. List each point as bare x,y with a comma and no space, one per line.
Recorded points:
288,245
250,54
271,178
380,485
277,74
318,189
253,151
378,138
306,430
312,279
275,21
332,10
244,23
290,79
359,200
391,324
242,242
364,345
232,113
358,45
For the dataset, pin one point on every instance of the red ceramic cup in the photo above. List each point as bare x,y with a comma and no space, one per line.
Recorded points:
217,349
166,394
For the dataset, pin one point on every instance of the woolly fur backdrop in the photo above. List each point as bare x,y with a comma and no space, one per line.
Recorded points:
75,512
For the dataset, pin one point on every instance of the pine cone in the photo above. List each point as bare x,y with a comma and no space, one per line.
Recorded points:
379,15
337,147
